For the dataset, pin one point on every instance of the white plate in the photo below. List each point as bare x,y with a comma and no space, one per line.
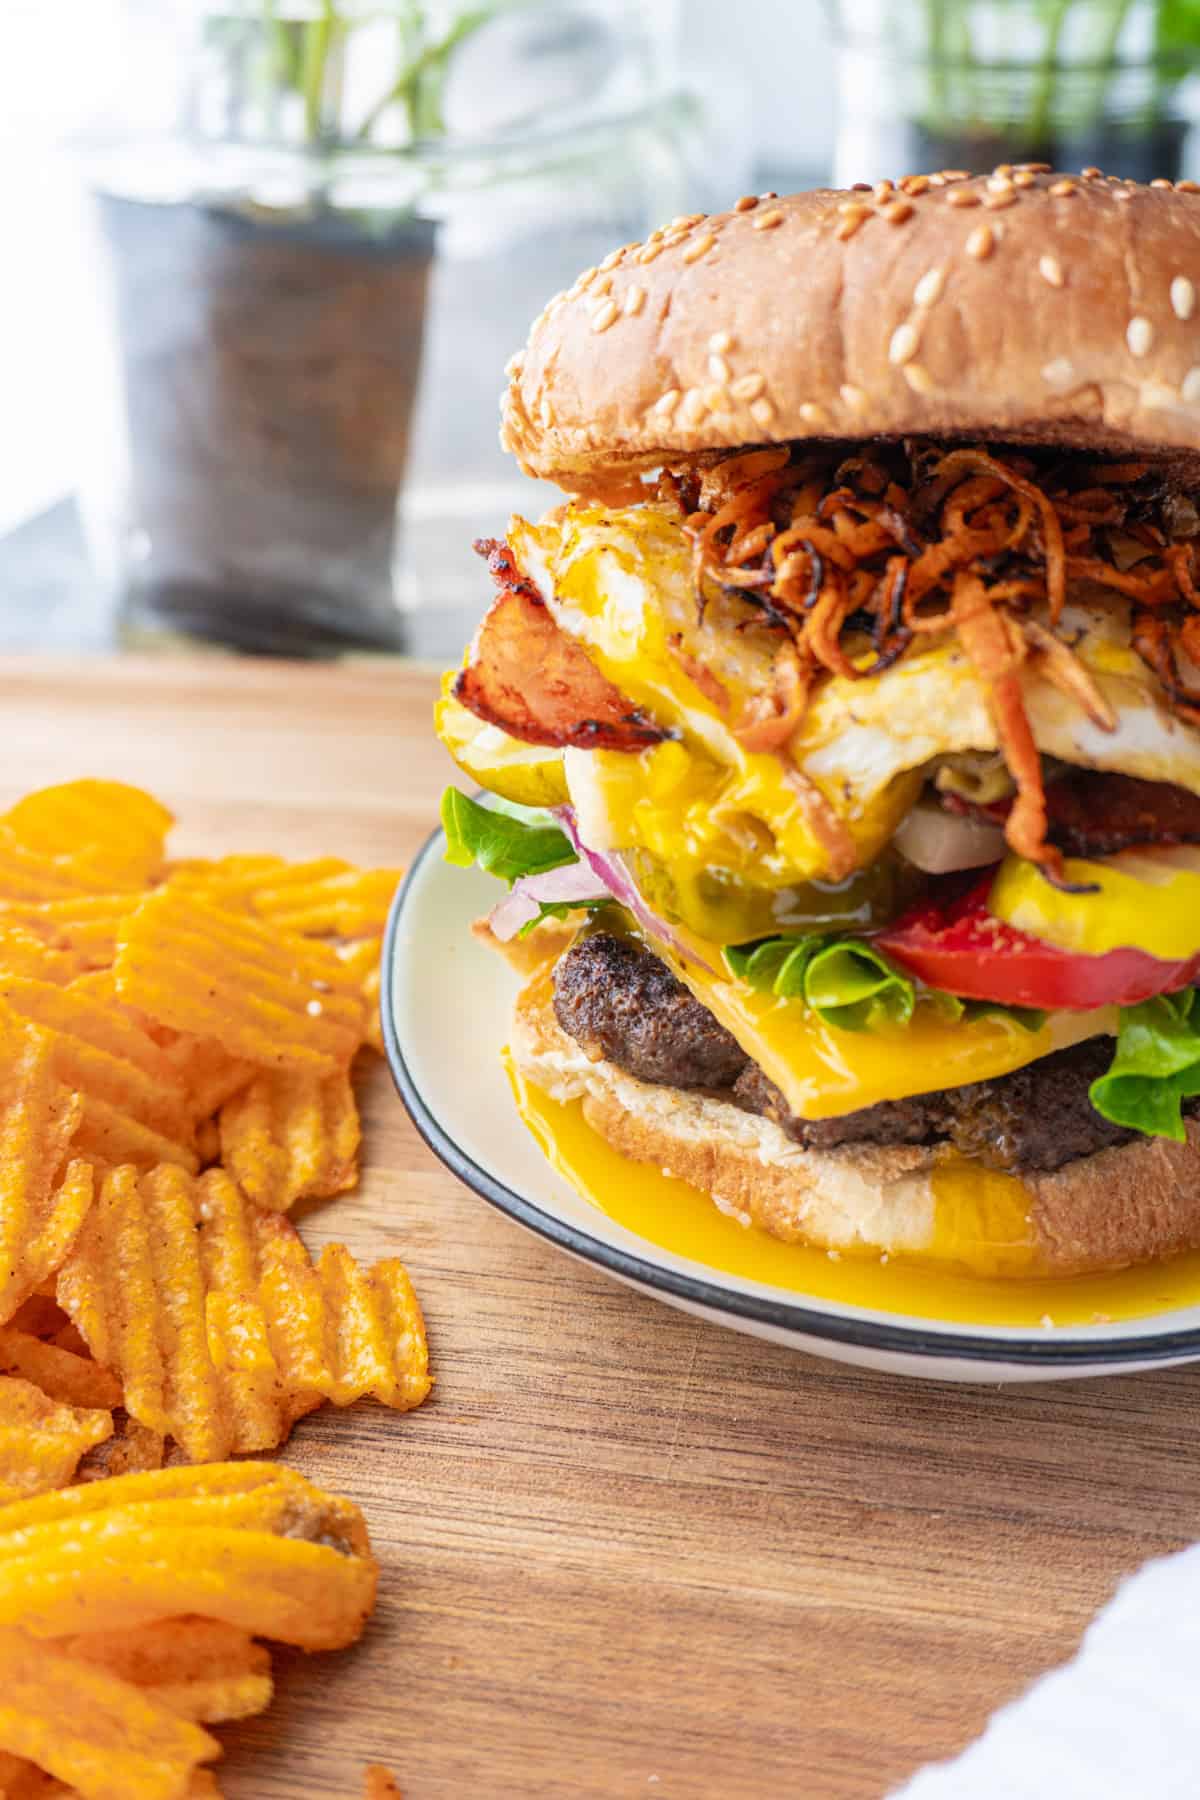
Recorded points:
447,1004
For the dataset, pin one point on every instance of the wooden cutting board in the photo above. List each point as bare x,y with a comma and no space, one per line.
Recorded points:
623,1552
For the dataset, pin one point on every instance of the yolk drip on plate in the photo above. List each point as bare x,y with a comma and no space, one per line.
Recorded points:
980,1223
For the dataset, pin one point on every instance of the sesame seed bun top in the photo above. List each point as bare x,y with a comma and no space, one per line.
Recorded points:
1023,305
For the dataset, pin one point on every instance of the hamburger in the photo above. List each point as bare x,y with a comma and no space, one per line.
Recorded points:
842,726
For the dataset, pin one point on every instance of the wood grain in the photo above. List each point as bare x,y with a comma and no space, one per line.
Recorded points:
624,1552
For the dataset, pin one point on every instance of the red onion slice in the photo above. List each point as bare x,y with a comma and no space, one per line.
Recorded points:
614,872
575,884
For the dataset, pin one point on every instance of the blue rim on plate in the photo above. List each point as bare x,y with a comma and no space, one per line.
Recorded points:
865,1334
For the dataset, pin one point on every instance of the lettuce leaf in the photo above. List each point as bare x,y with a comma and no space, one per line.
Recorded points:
1156,1067
508,841
846,981
852,985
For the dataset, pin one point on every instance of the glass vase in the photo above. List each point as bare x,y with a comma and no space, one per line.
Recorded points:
966,84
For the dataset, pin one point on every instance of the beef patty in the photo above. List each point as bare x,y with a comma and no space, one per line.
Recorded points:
621,1003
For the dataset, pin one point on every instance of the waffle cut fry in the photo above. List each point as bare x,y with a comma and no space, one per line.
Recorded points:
117,827
27,947
250,1544
202,1669
87,925
292,1136
59,1373
103,1737
361,959
270,997
135,1107
43,1197
218,1326
328,898
42,1440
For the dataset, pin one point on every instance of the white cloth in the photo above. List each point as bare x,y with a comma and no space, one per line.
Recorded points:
1121,1721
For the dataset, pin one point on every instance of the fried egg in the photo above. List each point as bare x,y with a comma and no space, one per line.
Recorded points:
621,583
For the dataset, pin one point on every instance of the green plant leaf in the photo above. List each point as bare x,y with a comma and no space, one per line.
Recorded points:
1155,1069
508,841
846,981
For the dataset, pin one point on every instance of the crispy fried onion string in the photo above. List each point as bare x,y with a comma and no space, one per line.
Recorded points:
853,559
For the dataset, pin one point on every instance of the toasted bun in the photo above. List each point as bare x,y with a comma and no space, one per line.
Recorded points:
1024,306
1102,1212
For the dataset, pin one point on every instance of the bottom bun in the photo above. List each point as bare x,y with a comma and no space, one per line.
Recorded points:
1101,1212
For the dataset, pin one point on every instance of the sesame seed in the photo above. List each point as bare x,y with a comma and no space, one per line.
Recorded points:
995,199
812,414
1064,188
897,212
699,247
1060,373
693,408
882,189
956,175
1160,181
914,185
767,221
666,403
747,203
1092,173
586,279
903,346
853,397
676,237
716,397
613,258
601,286
1123,193
929,288
1189,391
1139,335
1034,168
1051,270
685,221
1187,187
851,223
762,412
748,387
721,342
1002,171
652,249
1024,178
1183,297
936,181
981,243
635,299
604,315
719,369
657,235
961,196
919,379
1000,182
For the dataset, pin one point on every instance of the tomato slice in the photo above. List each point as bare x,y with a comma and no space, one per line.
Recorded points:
955,944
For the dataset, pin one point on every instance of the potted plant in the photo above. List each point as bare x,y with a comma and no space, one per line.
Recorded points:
269,266
969,83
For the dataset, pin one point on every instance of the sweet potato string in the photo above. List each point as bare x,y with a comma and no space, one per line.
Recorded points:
878,550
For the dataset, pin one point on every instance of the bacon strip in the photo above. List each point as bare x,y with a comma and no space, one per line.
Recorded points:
524,673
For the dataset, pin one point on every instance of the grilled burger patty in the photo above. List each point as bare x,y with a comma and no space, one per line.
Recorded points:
622,1004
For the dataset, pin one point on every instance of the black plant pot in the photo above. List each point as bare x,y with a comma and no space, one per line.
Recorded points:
1138,153
268,373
